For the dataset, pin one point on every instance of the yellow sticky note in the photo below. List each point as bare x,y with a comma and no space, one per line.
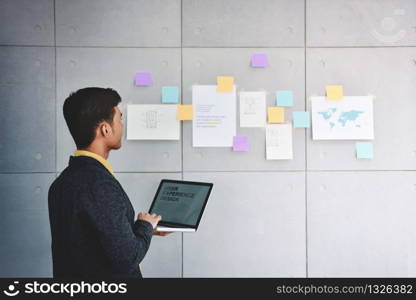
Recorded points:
185,112
225,84
334,92
276,114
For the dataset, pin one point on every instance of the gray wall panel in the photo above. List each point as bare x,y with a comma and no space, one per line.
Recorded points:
286,72
253,226
129,23
388,74
116,68
25,247
242,23
360,23
361,224
27,114
27,22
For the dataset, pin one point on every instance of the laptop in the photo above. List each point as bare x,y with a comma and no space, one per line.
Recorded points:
181,204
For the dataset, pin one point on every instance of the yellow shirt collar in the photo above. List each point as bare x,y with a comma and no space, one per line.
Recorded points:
101,159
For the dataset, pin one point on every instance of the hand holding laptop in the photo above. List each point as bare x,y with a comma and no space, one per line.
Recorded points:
153,219
162,233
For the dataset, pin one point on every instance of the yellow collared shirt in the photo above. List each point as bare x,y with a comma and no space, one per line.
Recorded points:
101,159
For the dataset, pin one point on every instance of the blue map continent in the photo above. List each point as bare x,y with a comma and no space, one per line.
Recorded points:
349,116
327,114
343,118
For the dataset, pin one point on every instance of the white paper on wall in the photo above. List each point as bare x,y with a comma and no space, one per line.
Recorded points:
252,109
347,119
152,122
214,123
279,141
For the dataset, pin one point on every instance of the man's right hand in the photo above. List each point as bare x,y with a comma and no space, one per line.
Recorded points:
151,218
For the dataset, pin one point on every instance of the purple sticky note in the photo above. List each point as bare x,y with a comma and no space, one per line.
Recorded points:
143,79
240,143
259,60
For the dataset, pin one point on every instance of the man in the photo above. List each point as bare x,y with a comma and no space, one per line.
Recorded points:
91,217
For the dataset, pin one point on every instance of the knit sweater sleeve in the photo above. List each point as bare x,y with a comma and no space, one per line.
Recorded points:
124,245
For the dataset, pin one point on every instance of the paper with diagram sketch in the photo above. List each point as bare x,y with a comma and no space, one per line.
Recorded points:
279,141
252,109
152,122
214,123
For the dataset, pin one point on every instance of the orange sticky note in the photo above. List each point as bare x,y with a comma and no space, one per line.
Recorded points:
185,112
334,92
276,114
225,84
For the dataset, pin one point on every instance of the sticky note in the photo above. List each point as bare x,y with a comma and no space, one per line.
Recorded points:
301,119
276,114
334,92
259,60
240,143
364,150
170,94
185,112
284,98
143,79
225,84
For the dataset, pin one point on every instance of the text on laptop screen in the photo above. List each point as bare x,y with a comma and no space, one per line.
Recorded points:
180,203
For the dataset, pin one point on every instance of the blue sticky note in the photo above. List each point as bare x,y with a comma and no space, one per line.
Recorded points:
364,150
284,98
170,94
301,119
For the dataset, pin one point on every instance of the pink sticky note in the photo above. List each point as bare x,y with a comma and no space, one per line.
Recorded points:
143,79
259,60
240,143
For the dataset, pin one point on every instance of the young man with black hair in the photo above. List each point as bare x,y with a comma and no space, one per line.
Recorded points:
94,234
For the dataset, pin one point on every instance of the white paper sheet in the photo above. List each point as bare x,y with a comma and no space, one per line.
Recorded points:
279,144
152,122
252,109
347,119
214,123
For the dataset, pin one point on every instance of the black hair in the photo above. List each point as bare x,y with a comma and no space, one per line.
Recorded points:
85,109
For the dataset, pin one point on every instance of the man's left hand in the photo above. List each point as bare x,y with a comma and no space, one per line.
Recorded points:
162,233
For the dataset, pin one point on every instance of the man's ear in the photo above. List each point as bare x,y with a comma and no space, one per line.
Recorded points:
105,129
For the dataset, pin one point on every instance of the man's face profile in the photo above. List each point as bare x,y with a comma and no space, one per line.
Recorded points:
117,130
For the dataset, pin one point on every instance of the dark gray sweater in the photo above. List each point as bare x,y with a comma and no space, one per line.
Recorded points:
92,224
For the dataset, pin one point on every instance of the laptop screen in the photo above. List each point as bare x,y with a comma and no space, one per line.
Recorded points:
181,202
